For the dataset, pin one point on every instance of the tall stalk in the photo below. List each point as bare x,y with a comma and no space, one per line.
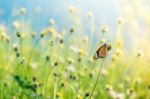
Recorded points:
97,78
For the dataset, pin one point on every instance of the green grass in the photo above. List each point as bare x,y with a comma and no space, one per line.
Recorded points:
62,67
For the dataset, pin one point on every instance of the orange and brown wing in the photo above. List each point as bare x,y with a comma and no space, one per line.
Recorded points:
102,51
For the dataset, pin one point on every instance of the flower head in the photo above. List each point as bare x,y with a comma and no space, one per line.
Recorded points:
89,14
140,53
120,21
72,9
79,97
22,10
104,28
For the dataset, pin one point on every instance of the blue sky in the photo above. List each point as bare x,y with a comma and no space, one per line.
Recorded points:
105,11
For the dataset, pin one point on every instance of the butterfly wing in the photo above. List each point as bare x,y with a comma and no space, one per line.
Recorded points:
102,51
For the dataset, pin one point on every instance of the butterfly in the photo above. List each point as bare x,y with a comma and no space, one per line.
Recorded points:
101,52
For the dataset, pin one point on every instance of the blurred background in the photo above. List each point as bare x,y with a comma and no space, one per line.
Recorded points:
39,11
73,30
134,13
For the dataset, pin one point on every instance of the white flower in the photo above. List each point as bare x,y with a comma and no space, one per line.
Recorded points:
71,68
85,39
34,65
3,28
120,20
103,40
140,53
90,14
16,24
72,9
15,47
22,10
104,28
116,95
104,72
51,21
74,49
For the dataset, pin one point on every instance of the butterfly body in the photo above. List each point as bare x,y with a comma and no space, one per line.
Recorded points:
101,52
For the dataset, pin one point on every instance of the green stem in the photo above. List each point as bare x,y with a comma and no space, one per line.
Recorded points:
97,78
11,65
20,46
55,89
31,52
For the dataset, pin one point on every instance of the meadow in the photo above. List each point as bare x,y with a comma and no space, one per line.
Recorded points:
58,63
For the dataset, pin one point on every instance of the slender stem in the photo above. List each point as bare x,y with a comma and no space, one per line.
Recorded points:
55,89
46,83
49,72
8,47
17,67
20,46
10,65
97,78
30,54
